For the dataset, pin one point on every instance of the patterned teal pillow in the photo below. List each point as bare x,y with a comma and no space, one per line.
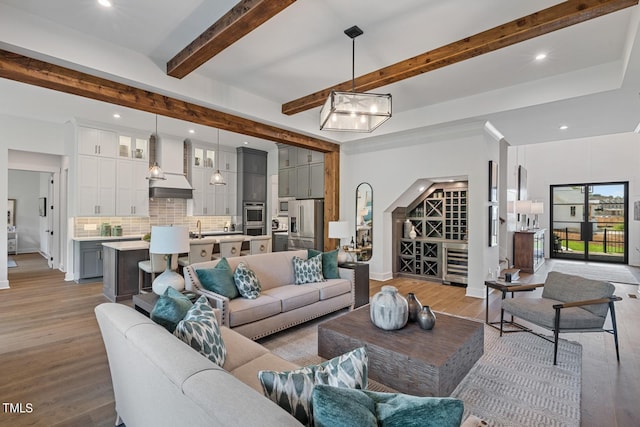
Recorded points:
307,270
342,407
170,308
246,281
292,390
200,330
329,262
219,279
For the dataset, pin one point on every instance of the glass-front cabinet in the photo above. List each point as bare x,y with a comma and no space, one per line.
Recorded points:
131,147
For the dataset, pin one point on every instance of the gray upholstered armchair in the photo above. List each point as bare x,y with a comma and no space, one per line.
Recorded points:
568,304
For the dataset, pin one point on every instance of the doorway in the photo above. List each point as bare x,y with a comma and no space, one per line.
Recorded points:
590,222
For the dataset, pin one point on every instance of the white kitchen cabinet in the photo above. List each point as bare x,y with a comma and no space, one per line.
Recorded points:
97,142
203,202
96,183
228,161
132,188
226,195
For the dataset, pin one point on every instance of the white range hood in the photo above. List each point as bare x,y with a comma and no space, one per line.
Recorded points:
170,155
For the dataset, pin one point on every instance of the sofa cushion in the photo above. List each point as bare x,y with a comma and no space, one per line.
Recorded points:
246,281
307,270
219,279
329,262
342,407
331,288
274,268
170,308
567,287
247,372
200,330
292,389
242,310
240,349
293,296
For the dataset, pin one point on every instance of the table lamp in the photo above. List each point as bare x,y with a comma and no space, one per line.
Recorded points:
536,209
339,230
523,207
168,240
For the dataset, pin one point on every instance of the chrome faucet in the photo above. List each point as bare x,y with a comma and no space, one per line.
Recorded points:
199,225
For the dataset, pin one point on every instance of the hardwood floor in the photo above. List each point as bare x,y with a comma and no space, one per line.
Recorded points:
52,355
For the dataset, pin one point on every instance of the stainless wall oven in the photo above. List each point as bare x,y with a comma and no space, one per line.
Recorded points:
253,213
253,218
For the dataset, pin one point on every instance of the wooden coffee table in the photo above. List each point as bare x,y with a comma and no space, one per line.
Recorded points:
409,360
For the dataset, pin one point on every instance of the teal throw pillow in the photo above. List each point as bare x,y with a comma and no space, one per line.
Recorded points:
307,270
292,390
200,330
246,281
329,262
170,308
338,407
219,279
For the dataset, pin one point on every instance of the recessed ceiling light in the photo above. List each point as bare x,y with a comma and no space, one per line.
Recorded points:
246,143
564,127
105,3
541,56
116,115
422,188
192,131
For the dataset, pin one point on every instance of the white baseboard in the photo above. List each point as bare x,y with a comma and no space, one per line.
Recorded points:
382,277
4,284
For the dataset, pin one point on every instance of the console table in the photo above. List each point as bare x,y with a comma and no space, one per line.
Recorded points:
528,250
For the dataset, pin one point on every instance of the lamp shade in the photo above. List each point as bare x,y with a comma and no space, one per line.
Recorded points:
339,229
523,206
354,111
537,208
167,239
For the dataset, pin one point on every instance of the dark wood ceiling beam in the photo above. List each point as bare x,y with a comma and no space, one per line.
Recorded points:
39,73
243,18
554,18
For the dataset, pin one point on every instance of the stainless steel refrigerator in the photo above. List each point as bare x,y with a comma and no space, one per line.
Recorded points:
306,224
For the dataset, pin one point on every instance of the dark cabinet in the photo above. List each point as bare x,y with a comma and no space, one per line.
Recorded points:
89,260
121,272
280,242
252,175
361,270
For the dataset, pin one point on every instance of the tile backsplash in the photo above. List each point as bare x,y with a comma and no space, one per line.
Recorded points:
161,212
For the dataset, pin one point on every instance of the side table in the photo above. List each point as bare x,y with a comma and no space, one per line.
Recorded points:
144,303
505,288
361,270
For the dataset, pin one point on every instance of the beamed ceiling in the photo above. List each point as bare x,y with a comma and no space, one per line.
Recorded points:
263,68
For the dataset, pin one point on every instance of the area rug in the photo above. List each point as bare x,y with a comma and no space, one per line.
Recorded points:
516,384
598,271
513,384
11,263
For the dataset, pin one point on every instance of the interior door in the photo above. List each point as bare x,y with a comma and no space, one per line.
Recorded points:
590,222
50,222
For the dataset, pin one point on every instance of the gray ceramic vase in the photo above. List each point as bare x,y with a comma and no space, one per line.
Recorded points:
389,310
414,306
426,318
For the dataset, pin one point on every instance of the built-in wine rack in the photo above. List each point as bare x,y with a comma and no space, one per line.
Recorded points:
439,217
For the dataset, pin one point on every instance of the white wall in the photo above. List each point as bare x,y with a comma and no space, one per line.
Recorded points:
26,144
24,186
597,159
392,166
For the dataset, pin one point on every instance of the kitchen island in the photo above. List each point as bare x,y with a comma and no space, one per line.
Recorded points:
120,263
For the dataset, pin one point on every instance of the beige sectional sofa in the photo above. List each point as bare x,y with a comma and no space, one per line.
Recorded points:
160,381
281,303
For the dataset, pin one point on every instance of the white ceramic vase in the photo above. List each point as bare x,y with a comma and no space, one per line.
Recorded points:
389,310
413,233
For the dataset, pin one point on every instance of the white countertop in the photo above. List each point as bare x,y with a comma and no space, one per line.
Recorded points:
133,245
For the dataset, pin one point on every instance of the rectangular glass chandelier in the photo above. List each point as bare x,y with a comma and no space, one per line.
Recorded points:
355,112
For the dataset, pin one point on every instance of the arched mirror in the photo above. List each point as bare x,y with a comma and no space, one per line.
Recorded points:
364,221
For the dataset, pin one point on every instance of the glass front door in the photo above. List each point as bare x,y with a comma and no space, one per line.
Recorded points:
590,222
